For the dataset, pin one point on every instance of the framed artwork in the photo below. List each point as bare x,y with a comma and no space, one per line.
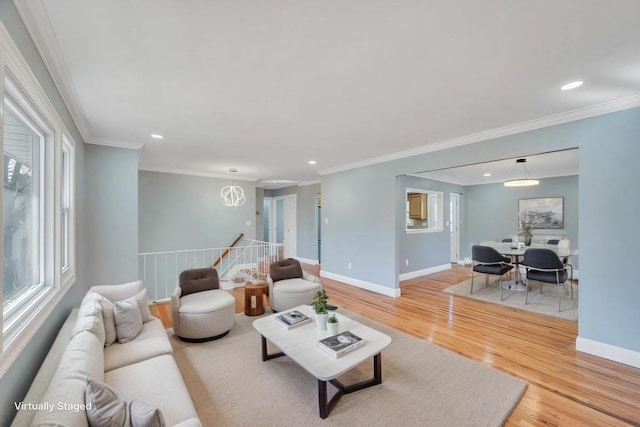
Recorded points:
543,212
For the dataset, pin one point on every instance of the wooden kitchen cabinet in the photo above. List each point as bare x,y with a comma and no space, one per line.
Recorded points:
417,206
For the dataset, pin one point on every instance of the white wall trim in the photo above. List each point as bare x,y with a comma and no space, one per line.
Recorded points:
36,21
308,261
608,351
566,117
379,289
195,173
116,144
424,271
310,182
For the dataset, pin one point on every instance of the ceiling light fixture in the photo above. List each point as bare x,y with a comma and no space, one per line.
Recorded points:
156,136
486,174
571,85
232,195
312,162
521,182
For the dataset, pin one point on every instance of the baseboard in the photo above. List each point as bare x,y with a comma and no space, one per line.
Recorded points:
424,271
308,261
608,351
362,284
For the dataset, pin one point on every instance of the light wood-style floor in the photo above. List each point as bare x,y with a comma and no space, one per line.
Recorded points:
566,387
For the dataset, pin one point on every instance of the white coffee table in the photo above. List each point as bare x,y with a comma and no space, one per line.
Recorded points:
299,344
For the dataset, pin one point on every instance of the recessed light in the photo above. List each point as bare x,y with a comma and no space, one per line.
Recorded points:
156,136
312,162
486,174
571,85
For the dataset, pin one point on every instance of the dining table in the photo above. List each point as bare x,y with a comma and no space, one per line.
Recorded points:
516,251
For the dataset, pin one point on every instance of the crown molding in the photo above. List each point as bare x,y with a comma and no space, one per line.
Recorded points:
174,171
557,119
35,19
116,144
309,182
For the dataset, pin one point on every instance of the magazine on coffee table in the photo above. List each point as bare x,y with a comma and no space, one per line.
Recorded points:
340,344
292,319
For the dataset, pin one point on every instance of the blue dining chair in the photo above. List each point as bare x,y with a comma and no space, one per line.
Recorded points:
489,261
544,266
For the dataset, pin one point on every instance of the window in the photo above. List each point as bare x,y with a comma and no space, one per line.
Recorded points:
38,194
65,214
424,211
23,200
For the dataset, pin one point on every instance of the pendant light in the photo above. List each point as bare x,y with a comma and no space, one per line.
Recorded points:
520,182
232,195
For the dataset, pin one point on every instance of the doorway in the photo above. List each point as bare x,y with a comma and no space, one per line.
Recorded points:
280,222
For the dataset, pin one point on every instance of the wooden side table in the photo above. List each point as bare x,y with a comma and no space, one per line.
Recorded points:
254,298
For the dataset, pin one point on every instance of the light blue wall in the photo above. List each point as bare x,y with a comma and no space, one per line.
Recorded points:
423,250
112,214
491,211
609,229
608,146
182,212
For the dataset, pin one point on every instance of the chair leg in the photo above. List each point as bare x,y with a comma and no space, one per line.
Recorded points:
472,274
500,284
526,293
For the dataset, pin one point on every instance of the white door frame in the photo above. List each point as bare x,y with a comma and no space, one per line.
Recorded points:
454,226
290,224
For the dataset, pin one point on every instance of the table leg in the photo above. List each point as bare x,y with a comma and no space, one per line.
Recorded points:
265,355
325,405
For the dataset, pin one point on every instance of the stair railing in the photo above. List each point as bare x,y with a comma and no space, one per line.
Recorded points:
247,260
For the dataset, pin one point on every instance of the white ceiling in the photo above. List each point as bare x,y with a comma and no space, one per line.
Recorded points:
266,86
546,165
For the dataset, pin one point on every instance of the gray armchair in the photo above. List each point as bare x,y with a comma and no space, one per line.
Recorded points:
289,285
201,311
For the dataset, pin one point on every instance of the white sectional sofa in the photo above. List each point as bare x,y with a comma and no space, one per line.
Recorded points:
143,368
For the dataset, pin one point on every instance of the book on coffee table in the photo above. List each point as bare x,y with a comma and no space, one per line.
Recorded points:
292,319
340,344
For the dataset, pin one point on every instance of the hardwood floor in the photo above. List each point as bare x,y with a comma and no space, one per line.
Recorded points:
566,387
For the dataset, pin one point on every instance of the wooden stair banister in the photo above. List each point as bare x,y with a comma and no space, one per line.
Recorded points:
226,252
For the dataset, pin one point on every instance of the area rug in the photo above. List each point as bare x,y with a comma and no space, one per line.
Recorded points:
423,385
545,303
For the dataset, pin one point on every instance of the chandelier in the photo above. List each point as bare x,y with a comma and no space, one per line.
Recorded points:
520,182
232,195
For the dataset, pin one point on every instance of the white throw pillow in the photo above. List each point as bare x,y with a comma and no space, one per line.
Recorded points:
143,302
108,407
128,320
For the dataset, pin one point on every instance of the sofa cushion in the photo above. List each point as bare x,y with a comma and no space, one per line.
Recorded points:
205,302
152,341
292,286
91,324
128,320
90,317
119,292
156,380
82,359
108,407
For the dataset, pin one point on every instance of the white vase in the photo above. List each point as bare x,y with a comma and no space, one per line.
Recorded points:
332,327
321,321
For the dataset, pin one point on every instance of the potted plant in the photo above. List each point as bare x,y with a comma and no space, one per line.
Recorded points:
527,233
332,324
320,307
